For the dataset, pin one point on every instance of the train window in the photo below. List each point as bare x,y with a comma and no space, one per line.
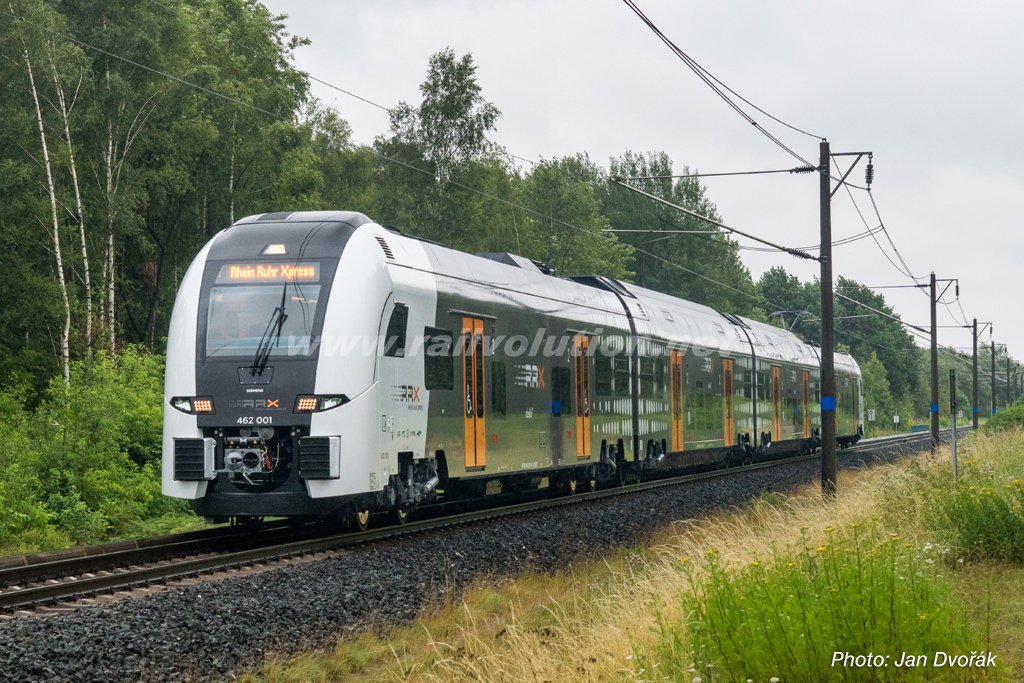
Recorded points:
560,393
498,393
438,364
239,314
394,338
621,370
647,381
603,375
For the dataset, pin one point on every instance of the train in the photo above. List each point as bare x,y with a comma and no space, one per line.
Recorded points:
320,365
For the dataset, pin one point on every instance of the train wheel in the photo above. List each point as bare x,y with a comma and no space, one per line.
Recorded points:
591,485
360,519
402,514
572,486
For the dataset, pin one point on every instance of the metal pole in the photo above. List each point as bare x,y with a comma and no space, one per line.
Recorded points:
1007,375
935,370
993,371
1013,382
828,378
974,403
952,411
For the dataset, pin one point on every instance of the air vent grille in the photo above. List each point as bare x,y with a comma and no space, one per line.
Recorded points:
315,457
189,459
384,246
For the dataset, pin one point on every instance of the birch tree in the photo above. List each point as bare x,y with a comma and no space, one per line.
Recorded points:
65,104
65,332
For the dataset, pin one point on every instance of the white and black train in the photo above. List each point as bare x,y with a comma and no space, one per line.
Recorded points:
319,364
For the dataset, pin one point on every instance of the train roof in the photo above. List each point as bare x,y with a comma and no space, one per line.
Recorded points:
670,317
352,218
508,272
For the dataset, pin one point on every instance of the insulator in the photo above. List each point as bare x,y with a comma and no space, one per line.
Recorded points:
869,173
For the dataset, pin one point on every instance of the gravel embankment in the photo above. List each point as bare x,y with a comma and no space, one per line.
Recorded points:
216,629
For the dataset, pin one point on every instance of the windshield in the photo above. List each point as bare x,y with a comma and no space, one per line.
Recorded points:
238,316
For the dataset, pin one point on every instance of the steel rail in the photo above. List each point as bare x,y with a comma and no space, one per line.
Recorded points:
82,559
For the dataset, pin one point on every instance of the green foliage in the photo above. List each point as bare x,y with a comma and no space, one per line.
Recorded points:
567,229
877,394
982,514
84,465
984,522
783,618
451,124
1008,418
685,265
863,333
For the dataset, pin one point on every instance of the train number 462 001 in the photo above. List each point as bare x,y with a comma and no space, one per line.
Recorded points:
257,420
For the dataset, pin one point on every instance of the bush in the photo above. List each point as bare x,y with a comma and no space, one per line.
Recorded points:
1008,418
983,523
783,619
84,466
982,515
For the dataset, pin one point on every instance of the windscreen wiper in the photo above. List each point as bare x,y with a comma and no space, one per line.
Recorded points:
271,336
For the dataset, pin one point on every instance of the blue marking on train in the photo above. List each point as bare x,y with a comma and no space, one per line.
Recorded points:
828,402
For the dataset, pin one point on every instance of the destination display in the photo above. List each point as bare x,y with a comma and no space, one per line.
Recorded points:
268,272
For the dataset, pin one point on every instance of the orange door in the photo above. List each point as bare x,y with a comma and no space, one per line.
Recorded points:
730,419
776,404
473,392
853,408
581,393
807,404
676,398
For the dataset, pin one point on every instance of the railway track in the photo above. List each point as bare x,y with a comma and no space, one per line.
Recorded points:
48,584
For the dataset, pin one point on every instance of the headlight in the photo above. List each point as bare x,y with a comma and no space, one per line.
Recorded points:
318,404
193,405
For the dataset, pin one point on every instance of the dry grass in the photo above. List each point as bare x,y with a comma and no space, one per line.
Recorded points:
598,621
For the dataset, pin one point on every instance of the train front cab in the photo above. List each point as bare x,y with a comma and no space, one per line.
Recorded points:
287,436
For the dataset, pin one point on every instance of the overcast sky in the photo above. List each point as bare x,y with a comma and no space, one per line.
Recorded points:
933,88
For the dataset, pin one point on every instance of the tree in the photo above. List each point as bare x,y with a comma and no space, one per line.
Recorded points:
451,124
565,227
787,302
877,394
702,268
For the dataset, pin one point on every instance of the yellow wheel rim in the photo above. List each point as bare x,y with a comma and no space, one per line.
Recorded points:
362,518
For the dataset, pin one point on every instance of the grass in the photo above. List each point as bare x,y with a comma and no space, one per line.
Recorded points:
42,540
903,560
859,591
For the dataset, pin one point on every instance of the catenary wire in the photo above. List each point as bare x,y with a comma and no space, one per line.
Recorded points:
698,70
